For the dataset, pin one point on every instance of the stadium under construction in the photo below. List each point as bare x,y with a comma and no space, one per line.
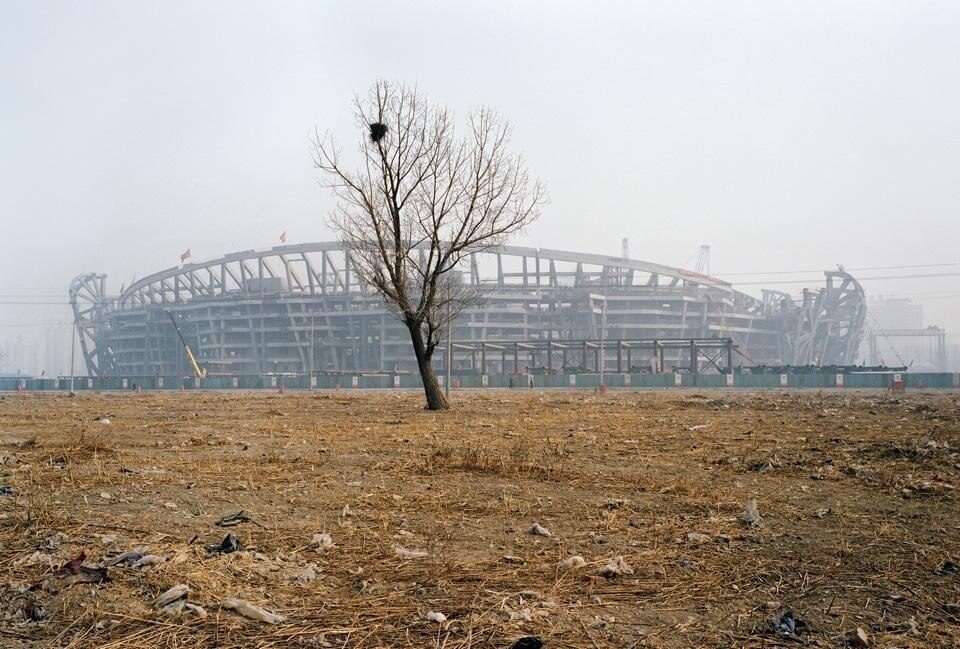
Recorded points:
300,309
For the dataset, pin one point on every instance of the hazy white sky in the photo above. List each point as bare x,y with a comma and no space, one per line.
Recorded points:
787,135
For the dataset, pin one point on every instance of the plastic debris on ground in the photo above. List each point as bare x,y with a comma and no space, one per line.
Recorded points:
230,543
616,567
435,616
307,575
948,567
858,638
235,519
252,611
751,516
539,530
321,541
173,594
410,553
528,642
52,542
74,572
576,561
129,558
786,625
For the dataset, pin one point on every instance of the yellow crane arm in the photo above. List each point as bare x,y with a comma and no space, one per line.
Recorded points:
198,371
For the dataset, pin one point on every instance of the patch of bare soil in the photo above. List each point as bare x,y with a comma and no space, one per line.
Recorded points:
611,521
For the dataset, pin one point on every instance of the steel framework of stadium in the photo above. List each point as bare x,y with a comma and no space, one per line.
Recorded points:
300,308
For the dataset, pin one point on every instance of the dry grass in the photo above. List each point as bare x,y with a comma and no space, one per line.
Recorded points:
631,474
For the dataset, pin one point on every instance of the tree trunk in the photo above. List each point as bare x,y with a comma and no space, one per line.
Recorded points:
431,387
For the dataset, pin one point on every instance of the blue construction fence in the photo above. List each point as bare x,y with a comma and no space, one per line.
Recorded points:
866,380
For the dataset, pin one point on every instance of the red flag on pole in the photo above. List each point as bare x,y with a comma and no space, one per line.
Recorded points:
185,256
283,237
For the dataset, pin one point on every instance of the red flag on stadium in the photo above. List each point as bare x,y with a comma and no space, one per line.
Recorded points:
283,237
185,256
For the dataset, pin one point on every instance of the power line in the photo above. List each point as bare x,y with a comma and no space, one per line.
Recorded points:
859,279
818,270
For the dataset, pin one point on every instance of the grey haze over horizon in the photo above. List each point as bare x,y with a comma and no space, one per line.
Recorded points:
788,136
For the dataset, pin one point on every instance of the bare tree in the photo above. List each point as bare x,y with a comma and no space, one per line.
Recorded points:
420,202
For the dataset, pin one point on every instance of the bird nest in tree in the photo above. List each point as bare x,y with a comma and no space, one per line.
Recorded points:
377,131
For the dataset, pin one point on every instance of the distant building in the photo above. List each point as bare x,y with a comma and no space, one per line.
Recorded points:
890,322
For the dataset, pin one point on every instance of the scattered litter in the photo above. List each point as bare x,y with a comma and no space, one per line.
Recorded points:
34,611
104,420
52,542
908,626
130,558
697,538
696,427
235,519
528,642
410,553
539,530
751,517
5,490
321,541
252,611
786,625
616,567
307,575
524,615
105,495
230,543
576,561
346,511
858,638
762,467
74,572
34,559
150,560
945,569
823,511
435,616
175,607
172,595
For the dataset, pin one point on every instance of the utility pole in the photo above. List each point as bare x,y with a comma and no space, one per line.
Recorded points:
603,331
446,384
73,344
310,378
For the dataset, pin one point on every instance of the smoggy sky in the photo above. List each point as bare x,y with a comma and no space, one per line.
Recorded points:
787,135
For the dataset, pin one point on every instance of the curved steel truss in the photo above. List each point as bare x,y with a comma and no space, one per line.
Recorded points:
301,308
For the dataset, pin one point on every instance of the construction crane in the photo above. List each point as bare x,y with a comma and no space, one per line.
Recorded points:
198,371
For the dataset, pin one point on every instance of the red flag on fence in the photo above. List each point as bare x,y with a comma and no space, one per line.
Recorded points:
283,237
185,256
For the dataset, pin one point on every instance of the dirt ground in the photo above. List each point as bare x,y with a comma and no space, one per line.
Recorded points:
432,513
